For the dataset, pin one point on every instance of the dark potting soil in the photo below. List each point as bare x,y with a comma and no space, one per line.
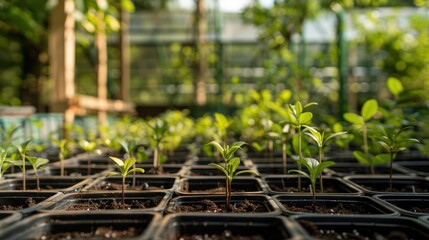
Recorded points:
414,188
100,232
326,189
116,186
329,208
209,206
216,190
108,204
353,234
225,235
28,203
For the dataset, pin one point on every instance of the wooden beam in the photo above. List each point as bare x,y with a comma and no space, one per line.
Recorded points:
82,102
62,57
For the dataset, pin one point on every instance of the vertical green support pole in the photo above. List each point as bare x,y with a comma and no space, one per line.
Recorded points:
342,58
219,55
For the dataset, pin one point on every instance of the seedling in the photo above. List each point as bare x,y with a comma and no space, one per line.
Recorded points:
231,165
129,148
124,171
299,118
88,147
394,142
23,149
369,109
321,140
62,152
5,163
37,163
315,169
159,132
7,135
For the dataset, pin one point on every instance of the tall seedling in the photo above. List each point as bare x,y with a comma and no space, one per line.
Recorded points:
394,142
315,169
5,163
124,171
89,147
369,109
159,132
231,164
37,163
62,152
23,149
321,140
299,118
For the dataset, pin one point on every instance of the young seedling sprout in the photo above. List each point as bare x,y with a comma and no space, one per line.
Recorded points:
315,169
369,109
321,140
230,167
37,163
299,118
88,147
159,132
125,168
23,149
5,163
62,152
394,142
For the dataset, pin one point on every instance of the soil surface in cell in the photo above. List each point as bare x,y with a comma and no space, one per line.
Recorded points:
225,235
206,205
417,188
352,234
290,189
117,187
217,190
331,208
99,233
28,203
108,204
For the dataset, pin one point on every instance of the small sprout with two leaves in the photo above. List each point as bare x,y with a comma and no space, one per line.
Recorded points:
125,168
89,147
37,163
315,169
321,139
394,142
231,165
5,163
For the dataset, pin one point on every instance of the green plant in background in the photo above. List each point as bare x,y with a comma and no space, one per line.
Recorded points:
159,130
125,168
130,147
5,162
343,140
88,147
7,135
37,163
297,119
222,124
315,169
369,109
23,148
231,164
62,152
394,142
321,140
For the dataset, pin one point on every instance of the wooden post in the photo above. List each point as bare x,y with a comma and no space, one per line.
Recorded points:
124,51
62,58
101,46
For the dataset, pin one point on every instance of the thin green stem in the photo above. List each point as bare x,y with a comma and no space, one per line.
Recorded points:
300,156
320,177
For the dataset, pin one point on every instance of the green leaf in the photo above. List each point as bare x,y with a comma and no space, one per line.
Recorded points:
217,145
141,170
245,171
112,174
310,104
118,161
369,109
353,118
300,172
361,157
395,86
381,159
219,167
334,135
233,164
298,108
305,117
129,162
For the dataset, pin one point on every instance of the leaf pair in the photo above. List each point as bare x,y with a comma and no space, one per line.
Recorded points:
314,168
369,109
125,167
